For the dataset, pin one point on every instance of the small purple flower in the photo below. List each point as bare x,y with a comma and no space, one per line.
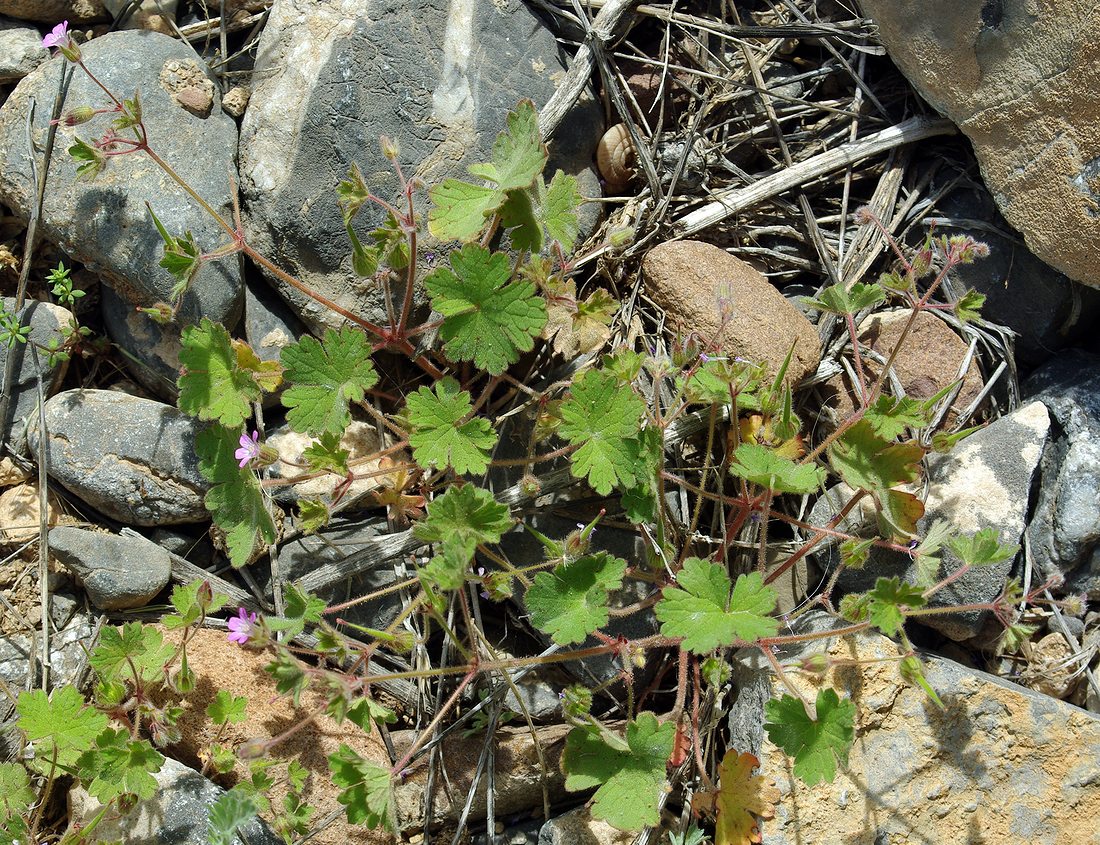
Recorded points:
242,626
58,37
250,448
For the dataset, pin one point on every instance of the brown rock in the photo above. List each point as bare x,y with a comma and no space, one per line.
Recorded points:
1052,668
1021,78
219,664
520,775
1000,760
19,512
929,361
54,11
693,281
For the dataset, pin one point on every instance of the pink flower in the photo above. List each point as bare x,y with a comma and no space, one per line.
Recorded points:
58,36
250,448
242,626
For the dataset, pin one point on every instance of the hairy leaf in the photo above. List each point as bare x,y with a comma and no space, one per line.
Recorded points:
457,522
702,610
15,789
136,647
460,209
559,210
439,436
571,602
325,378
968,307
325,453
604,419
630,774
119,765
983,548
236,500
887,602
760,465
889,417
838,300
870,462
227,708
213,386
232,810
486,319
816,745
60,723
365,789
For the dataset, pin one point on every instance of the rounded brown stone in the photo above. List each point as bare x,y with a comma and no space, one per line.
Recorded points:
696,283
928,361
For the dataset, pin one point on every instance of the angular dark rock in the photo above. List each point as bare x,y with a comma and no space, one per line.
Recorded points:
104,223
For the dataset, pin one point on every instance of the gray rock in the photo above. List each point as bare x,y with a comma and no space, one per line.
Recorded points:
914,767
438,78
339,541
18,654
1045,309
132,459
1065,528
46,321
117,572
104,223
269,324
1016,79
154,350
985,482
21,50
177,813
577,827
521,833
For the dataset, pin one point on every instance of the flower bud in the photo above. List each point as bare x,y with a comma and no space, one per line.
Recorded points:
815,664
161,313
268,455
390,148
79,115
70,51
530,486
205,595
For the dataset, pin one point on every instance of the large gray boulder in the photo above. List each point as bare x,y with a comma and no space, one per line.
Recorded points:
331,77
117,572
131,459
1021,78
178,812
985,482
104,223
1065,529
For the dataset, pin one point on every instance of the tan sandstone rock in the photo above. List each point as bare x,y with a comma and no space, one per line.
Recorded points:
694,281
219,664
1000,764
929,360
1021,78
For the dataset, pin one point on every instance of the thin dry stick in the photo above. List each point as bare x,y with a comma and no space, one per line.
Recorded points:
736,200
577,77
43,524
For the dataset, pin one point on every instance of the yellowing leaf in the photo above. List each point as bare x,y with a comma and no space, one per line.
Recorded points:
740,796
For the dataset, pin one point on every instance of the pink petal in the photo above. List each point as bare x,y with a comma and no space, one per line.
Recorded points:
58,35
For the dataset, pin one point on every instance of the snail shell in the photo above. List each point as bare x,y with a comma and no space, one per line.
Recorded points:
615,156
